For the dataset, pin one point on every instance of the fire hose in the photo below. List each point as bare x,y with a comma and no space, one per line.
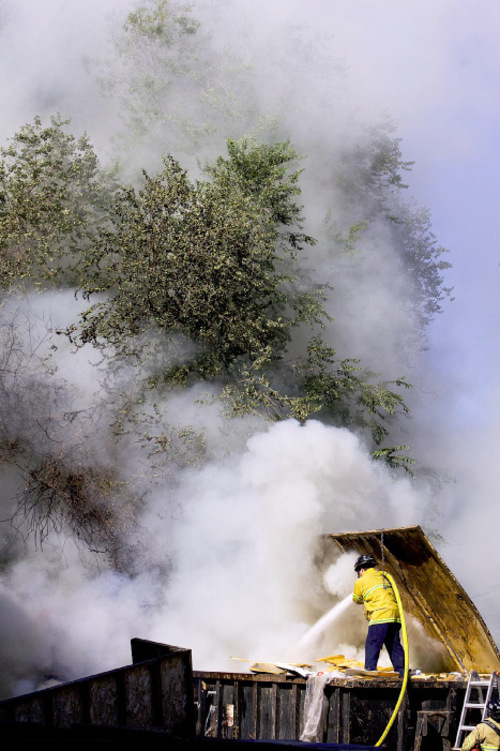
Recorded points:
405,647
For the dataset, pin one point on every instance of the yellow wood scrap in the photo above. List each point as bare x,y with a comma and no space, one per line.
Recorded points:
362,673
331,658
267,667
340,661
241,659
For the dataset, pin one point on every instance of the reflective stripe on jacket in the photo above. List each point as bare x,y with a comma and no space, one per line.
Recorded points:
374,591
486,736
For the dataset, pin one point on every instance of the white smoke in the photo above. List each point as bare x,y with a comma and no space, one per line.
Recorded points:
230,565
230,569
243,582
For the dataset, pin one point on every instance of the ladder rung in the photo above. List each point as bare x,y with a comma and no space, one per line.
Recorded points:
490,684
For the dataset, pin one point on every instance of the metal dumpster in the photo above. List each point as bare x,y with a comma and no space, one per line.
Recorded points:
154,692
159,698
356,711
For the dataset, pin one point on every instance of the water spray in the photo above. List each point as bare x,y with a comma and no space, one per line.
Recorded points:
326,620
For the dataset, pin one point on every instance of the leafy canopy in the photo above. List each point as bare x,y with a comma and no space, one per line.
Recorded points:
216,261
53,198
212,260
173,86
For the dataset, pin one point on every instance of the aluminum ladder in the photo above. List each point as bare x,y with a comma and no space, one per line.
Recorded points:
475,684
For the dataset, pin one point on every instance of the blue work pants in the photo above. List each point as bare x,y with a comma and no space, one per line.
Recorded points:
384,634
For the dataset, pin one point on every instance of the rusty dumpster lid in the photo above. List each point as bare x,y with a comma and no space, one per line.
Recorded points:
429,592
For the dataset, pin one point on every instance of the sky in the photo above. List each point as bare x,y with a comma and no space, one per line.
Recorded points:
435,68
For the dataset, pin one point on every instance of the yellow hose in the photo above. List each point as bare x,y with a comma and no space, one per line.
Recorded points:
405,646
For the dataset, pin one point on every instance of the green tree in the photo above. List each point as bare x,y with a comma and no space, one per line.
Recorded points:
371,172
53,198
423,261
216,261
371,179
209,260
173,87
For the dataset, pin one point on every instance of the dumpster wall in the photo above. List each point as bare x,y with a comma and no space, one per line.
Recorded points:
355,711
160,694
154,692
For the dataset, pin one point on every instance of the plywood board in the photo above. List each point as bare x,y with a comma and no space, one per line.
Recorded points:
429,592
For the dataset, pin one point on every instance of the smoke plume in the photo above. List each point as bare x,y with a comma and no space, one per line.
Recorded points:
220,554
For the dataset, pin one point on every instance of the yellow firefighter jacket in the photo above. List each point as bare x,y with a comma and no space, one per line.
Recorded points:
484,735
374,591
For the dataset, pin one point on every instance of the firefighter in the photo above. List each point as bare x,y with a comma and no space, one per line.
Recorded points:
373,590
486,734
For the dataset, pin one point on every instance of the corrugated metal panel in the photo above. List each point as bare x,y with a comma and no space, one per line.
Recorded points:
429,592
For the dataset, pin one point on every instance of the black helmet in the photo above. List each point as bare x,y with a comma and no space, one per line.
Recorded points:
493,709
365,561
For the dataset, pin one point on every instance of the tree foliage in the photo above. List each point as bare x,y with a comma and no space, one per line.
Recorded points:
173,86
372,170
53,198
372,184
216,262
423,260
212,260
